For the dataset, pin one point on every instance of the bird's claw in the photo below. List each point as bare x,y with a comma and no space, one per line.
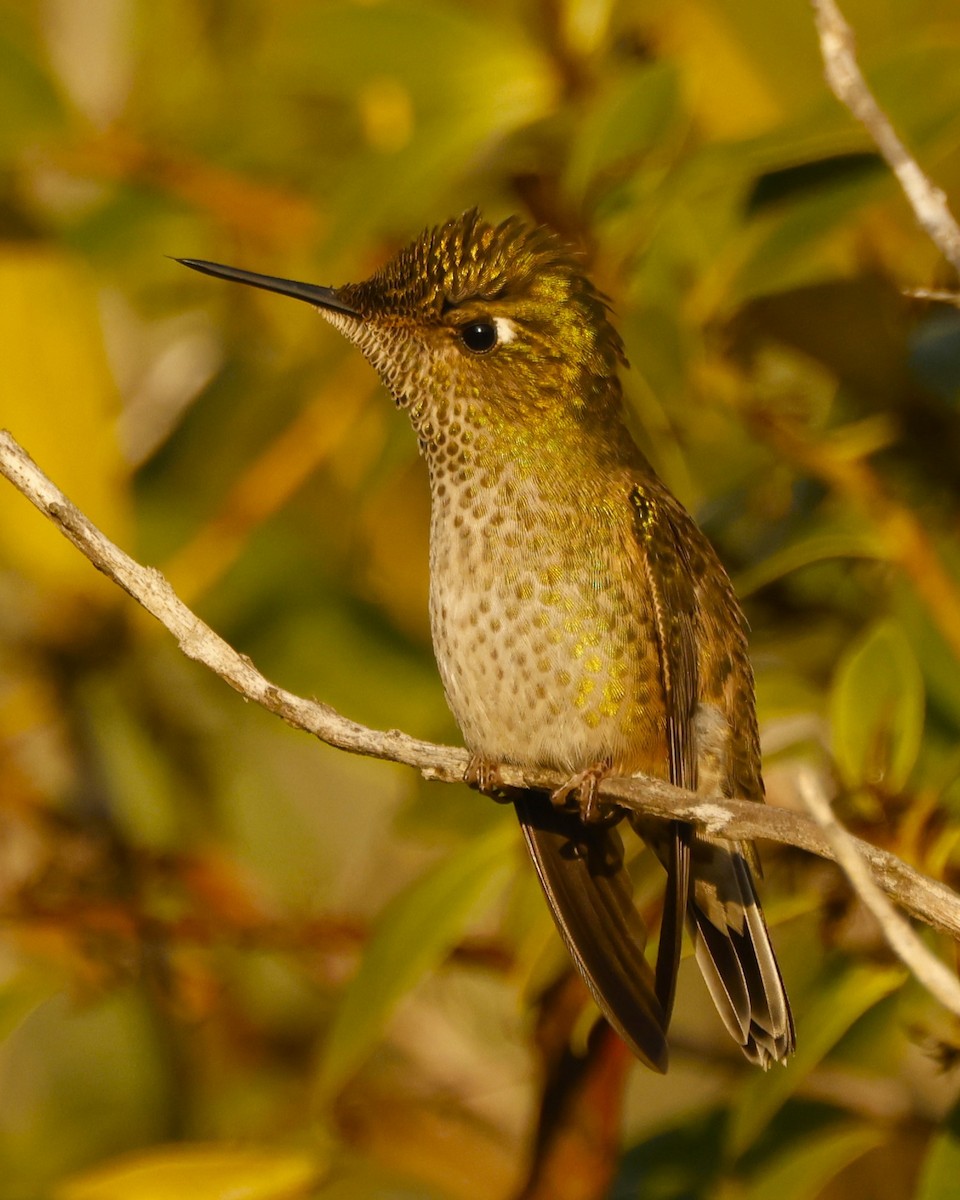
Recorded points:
583,788
485,777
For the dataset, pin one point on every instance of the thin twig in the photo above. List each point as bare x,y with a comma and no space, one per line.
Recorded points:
931,972
929,204
907,540
936,295
925,898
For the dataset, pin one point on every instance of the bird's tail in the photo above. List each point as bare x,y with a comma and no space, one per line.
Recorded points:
588,889
734,952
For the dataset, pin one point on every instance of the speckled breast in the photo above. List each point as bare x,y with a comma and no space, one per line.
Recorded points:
535,610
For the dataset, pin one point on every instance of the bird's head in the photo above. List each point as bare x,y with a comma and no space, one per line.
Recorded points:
499,319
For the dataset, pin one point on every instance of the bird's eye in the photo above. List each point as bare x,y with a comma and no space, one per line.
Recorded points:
479,336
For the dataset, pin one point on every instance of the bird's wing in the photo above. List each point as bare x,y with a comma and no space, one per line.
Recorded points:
671,593
732,944
671,589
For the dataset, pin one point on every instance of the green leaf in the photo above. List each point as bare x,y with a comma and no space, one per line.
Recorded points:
99,1059
940,1177
28,100
791,246
683,1161
934,653
632,116
877,709
435,88
415,933
22,994
804,1169
814,548
841,998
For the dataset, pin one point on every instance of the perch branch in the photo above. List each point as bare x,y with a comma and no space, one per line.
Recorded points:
927,899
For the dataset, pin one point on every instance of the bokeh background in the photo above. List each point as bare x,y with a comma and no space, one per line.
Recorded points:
233,958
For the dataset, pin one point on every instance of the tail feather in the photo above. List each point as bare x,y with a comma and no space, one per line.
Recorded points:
735,955
675,902
588,889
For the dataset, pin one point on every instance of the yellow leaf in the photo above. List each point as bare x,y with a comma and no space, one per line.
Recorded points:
59,402
727,90
197,1172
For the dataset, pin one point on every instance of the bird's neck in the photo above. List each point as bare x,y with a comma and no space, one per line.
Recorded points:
558,452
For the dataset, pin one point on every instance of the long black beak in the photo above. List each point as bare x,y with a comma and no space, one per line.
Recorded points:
312,293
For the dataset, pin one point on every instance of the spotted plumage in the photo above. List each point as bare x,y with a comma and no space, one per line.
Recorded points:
581,621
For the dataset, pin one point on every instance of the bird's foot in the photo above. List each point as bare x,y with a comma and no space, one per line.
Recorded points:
583,788
484,775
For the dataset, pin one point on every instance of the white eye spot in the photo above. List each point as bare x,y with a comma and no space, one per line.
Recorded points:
506,330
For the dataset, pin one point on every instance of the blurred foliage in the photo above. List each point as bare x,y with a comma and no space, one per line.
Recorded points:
234,962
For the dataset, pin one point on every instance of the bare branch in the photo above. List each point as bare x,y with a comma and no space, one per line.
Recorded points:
925,898
837,45
935,977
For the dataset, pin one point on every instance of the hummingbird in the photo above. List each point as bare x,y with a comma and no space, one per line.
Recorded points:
581,620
